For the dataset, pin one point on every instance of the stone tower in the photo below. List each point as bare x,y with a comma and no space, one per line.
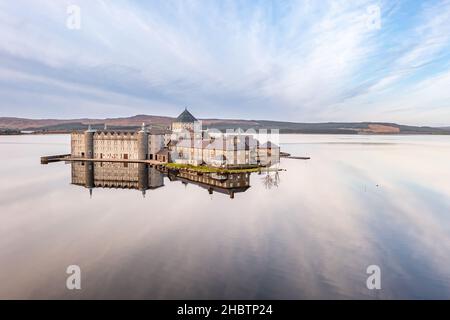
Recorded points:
185,121
143,143
89,143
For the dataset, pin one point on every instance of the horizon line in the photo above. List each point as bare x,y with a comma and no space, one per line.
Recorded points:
228,119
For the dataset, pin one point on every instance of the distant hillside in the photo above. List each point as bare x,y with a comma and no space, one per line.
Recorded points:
331,127
39,124
8,124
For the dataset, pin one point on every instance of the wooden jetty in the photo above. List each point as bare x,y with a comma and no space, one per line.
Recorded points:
55,158
288,156
68,157
299,158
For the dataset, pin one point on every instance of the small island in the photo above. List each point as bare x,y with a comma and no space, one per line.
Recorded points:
186,146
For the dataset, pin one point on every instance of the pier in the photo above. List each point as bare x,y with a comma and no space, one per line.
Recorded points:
68,157
289,156
298,158
55,158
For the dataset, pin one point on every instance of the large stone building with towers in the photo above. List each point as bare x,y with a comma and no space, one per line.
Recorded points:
186,143
145,144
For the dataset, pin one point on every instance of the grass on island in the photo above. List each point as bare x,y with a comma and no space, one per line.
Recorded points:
208,169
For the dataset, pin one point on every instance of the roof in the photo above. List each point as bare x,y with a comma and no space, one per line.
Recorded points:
158,131
163,152
269,145
151,131
185,117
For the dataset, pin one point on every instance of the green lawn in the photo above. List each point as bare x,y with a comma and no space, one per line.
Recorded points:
208,169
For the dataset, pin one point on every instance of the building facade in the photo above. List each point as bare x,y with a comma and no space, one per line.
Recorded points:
119,145
190,144
227,151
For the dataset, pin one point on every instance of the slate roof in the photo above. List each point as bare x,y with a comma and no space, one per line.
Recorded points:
269,145
186,117
163,152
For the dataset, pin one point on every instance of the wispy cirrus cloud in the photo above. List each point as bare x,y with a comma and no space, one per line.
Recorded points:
285,60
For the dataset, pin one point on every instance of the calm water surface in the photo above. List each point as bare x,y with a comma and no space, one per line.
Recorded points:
311,232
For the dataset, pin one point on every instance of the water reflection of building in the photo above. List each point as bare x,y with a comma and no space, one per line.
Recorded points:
143,177
226,184
138,176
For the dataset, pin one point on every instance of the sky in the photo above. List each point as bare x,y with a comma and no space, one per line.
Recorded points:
302,61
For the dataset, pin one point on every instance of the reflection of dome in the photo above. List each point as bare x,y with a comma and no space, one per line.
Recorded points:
185,117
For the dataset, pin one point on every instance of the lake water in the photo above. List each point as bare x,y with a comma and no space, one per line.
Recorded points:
309,232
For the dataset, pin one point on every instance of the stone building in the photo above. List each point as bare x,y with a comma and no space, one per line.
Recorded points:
268,153
186,144
236,150
190,144
144,144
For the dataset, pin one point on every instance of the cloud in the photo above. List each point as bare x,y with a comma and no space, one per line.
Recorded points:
410,88
290,60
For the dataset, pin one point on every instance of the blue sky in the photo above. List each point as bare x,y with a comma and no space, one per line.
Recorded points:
305,61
